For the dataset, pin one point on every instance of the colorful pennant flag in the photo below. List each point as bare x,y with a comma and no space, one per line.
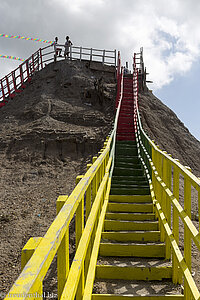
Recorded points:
12,57
25,38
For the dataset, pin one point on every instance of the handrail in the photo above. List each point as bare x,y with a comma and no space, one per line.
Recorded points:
91,187
161,170
77,287
17,80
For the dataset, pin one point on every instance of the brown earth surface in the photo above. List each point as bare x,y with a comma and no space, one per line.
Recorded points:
48,135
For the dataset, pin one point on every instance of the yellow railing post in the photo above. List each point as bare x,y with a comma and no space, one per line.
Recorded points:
79,230
199,206
79,223
63,251
27,253
94,182
187,237
175,269
168,180
87,202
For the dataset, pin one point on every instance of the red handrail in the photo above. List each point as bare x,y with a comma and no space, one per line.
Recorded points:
14,81
17,80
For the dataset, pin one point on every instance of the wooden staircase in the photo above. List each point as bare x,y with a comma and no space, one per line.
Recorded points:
131,261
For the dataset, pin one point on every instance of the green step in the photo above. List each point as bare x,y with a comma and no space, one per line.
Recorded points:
126,143
128,236
129,186
118,178
128,165
130,216
119,225
123,146
124,159
130,198
126,151
130,191
127,172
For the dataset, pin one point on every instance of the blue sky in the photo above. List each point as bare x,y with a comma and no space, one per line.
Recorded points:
168,30
182,95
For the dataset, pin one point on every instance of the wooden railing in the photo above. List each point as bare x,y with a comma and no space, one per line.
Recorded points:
90,195
16,81
164,174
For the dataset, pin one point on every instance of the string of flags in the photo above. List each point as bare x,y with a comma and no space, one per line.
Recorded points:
12,57
25,38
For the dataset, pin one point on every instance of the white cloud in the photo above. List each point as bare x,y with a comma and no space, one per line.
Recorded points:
168,30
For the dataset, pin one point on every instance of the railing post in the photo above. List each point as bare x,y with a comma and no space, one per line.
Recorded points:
71,52
8,87
21,77
33,63
88,202
80,53
27,253
91,54
187,237
94,182
115,58
63,252
79,230
199,205
41,62
2,90
27,70
103,58
79,216
175,230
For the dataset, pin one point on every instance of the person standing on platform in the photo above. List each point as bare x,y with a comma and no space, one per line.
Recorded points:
68,44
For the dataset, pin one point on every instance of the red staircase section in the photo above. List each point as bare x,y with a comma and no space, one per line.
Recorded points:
125,126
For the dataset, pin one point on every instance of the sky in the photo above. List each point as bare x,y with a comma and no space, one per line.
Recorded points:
168,31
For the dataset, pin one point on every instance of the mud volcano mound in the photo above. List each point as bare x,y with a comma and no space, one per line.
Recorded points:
48,134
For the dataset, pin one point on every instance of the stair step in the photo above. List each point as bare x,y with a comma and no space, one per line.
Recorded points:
130,296
128,178
130,216
127,207
131,191
135,236
125,138
127,143
127,160
119,225
130,185
127,165
131,249
127,183
133,273
130,198
127,172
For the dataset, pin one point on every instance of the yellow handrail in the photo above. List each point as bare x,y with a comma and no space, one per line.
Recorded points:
161,170
29,281
92,187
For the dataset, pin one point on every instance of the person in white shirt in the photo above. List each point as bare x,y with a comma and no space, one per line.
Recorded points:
68,44
56,49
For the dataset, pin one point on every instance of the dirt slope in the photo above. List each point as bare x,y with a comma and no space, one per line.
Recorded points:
48,134
162,125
